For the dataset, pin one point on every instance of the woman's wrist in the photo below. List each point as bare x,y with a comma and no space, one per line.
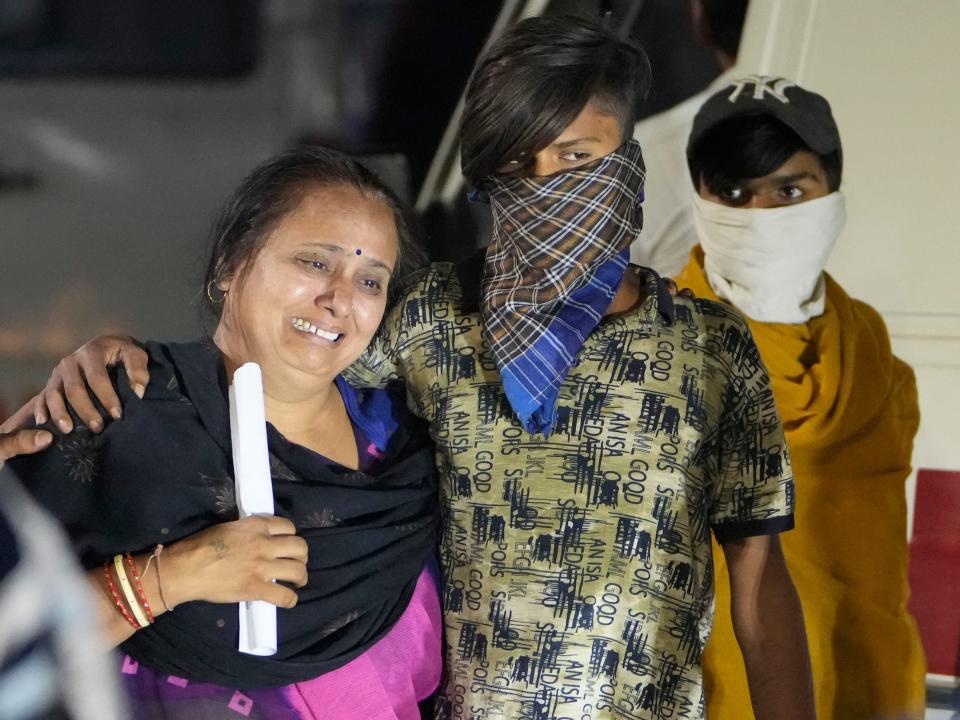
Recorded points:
133,591
160,593
171,585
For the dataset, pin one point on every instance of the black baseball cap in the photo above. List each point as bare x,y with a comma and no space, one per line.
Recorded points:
804,112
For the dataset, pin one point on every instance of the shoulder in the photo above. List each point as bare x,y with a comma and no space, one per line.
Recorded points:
720,332
869,318
708,315
438,292
427,280
166,362
872,338
695,321
859,317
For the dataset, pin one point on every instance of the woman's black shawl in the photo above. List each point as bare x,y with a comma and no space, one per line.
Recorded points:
164,472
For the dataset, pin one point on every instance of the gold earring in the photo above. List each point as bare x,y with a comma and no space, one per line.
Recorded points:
210,295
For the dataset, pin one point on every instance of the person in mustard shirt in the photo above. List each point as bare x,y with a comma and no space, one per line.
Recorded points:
765,158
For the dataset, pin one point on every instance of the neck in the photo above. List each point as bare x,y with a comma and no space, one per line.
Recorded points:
293,405
629,295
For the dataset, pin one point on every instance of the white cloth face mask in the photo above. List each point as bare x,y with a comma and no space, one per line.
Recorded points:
768,262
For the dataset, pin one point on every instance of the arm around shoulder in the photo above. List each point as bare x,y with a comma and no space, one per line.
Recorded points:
84,373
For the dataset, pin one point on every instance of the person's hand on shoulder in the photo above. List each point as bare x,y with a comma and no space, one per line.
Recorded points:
82,376
674,290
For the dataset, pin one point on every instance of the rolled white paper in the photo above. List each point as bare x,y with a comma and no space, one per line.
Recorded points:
254,490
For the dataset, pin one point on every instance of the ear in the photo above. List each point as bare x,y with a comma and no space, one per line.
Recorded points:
700,188
230,277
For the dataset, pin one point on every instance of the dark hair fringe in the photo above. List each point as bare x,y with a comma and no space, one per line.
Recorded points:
534,81
750,146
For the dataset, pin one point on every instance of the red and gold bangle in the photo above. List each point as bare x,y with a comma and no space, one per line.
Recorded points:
116,598
128,591
131,563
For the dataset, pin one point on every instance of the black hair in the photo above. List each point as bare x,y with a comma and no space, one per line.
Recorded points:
750,146
534,81
273,190
725,19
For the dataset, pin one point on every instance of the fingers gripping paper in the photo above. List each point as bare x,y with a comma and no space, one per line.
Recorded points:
254,488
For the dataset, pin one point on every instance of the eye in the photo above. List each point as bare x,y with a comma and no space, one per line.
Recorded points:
576,156
733,195
314,264
371,285
792,192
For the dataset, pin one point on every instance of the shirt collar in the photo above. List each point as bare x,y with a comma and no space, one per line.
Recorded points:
657,293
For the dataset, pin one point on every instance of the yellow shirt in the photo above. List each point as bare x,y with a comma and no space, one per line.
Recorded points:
850,410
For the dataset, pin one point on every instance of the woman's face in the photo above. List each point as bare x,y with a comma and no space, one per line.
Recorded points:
313,297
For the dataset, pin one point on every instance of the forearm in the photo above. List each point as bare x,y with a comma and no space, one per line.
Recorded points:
776,657
115,626
256,558
768,622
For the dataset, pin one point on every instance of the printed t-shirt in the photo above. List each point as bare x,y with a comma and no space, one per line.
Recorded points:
577,568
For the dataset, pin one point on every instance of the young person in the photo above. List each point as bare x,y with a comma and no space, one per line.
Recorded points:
591,430
765,158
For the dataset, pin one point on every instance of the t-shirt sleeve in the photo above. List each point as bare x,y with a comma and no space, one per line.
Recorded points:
389,355
755,493
378,363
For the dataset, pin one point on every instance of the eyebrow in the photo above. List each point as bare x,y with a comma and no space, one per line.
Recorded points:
367,260
793,177
575,141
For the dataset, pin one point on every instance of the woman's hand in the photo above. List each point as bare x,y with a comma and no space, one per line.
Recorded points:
236,561
224,563
85,371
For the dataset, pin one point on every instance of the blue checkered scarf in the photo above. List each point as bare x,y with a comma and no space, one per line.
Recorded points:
560,248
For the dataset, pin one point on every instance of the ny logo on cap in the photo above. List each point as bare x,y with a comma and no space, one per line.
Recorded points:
762,84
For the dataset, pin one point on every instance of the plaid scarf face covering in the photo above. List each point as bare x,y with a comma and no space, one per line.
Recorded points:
560,248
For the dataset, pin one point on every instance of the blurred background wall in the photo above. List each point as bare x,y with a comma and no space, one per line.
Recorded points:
124,123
